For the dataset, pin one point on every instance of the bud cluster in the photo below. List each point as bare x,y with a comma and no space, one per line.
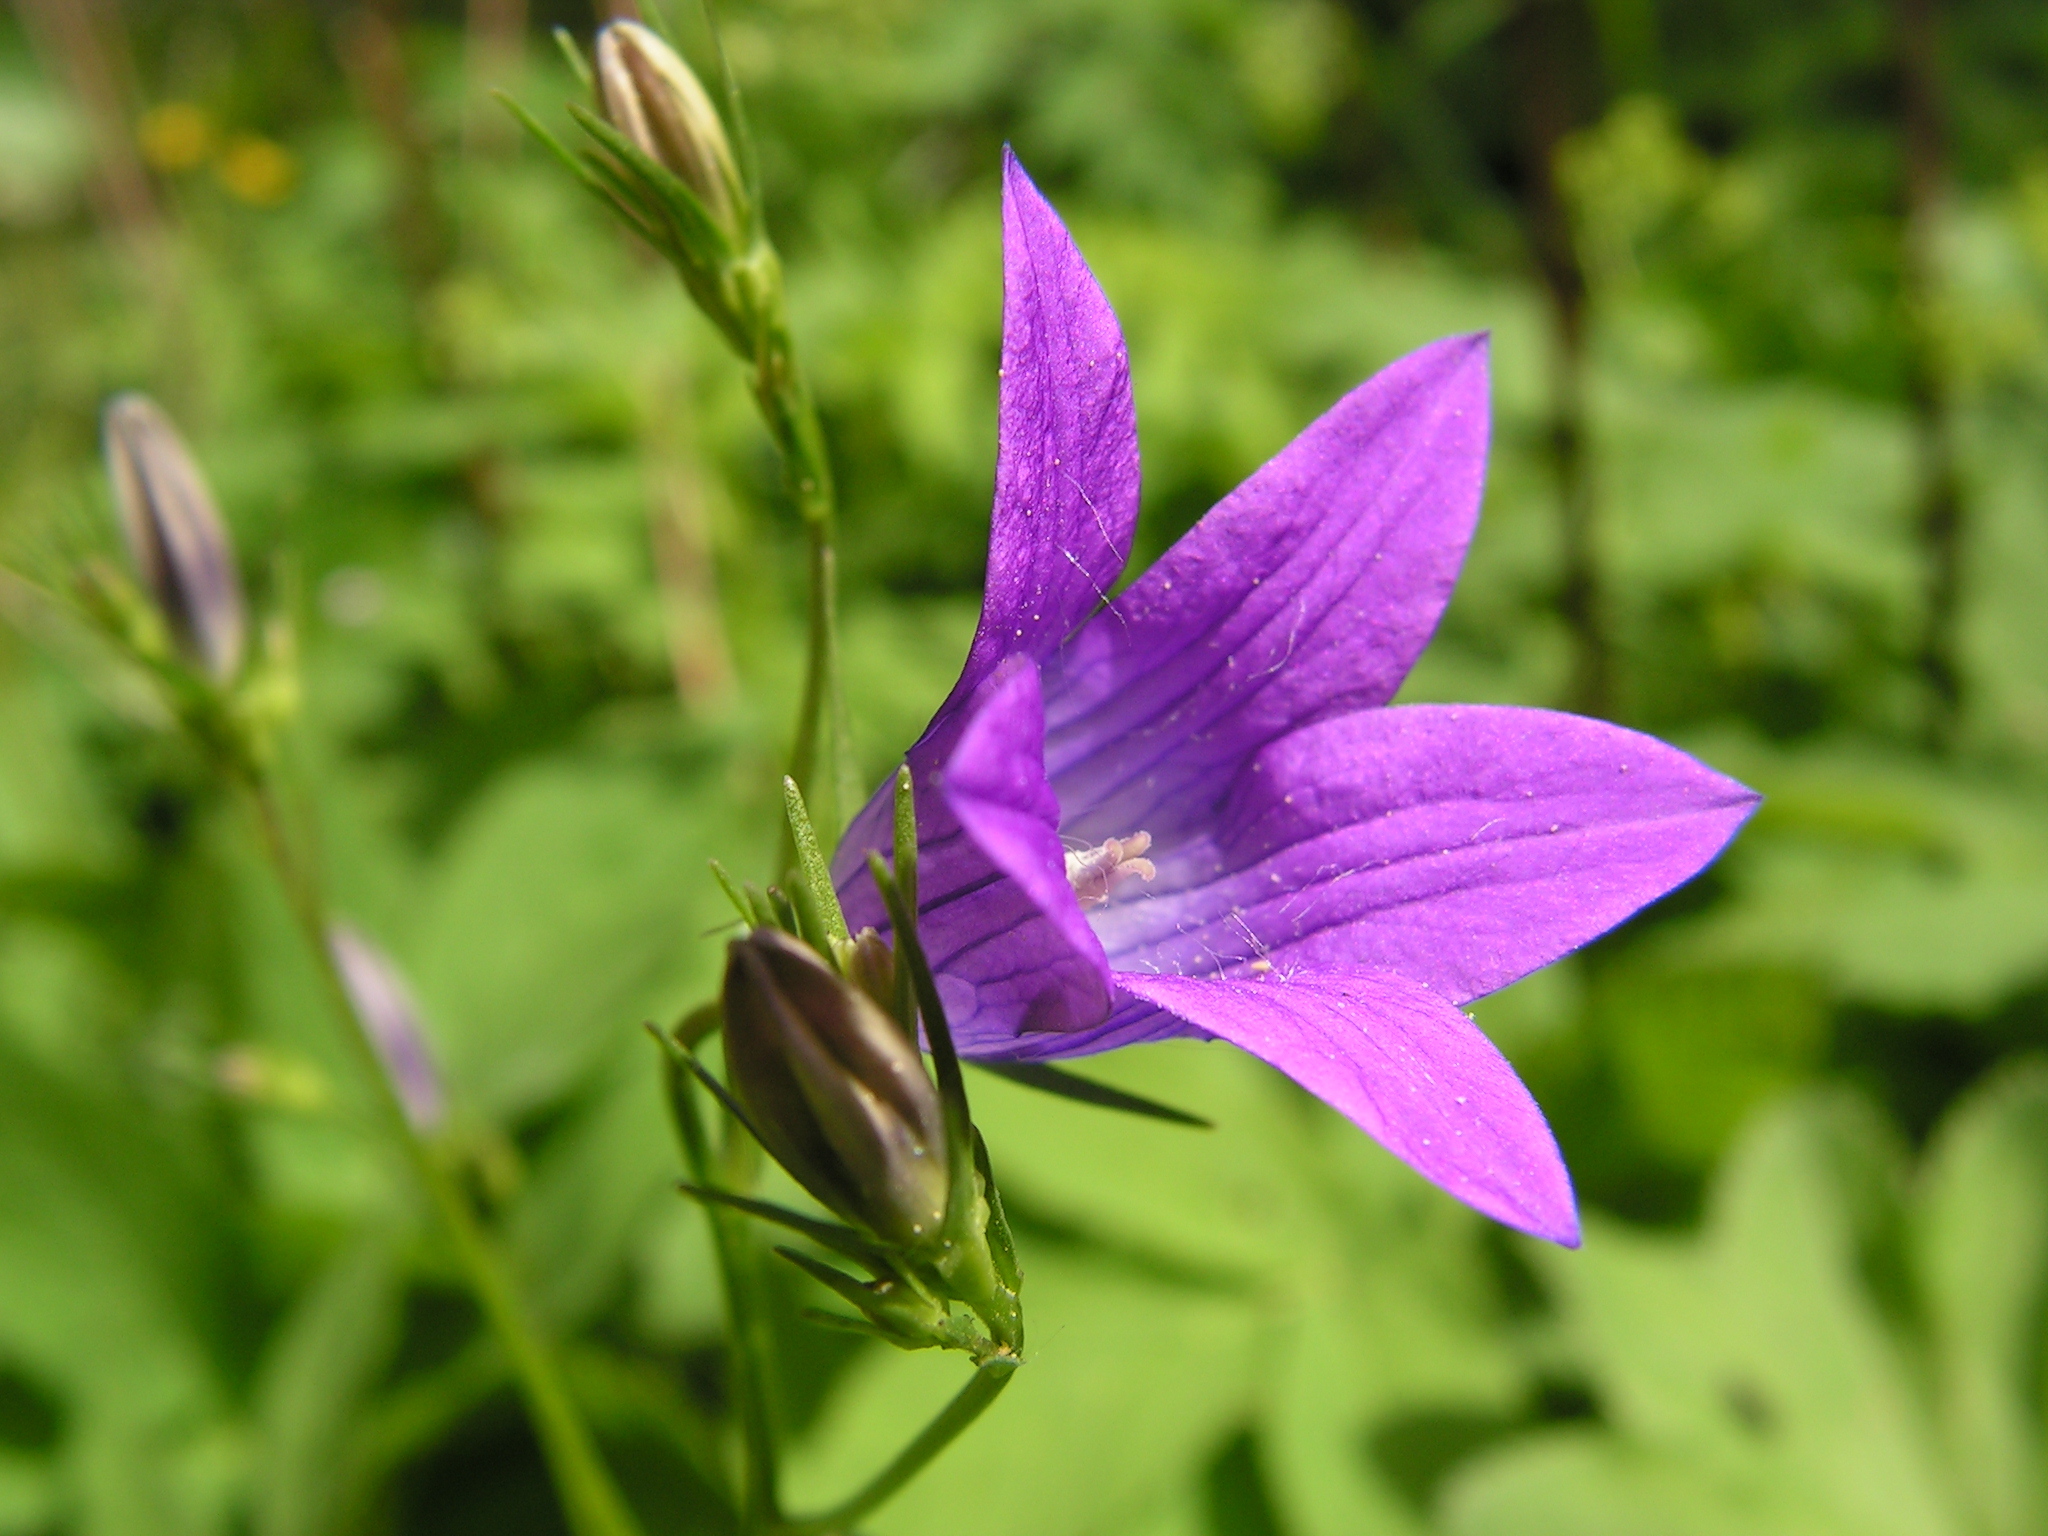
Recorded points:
823,1068
665,163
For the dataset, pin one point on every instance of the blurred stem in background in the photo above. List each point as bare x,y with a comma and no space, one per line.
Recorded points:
187,624
369,44
494,58
1938,511
590,1500
1551,45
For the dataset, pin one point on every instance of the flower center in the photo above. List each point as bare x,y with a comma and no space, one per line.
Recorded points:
1095,873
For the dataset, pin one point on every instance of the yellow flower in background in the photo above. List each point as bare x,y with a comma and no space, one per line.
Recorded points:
177,136
257,170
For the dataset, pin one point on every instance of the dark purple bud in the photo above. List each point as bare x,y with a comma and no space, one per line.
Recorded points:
387,1014
174,534
837,1091
651,96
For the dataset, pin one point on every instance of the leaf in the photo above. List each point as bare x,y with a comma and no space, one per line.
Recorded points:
574,1226
112,1288
560,914
1697,1049
1749,1375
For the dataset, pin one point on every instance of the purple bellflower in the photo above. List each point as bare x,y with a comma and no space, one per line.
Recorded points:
1186,810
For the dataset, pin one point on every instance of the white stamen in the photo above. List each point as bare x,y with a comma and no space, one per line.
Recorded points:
1095,873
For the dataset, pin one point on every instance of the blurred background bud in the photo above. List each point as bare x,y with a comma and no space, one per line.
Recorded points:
837,1091
175,535
388,1015
651,96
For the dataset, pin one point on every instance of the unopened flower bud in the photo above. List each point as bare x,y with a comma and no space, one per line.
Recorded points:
174,534
871,964
837,1091
651,96
389,1017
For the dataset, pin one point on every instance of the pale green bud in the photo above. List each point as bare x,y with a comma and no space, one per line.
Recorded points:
651,96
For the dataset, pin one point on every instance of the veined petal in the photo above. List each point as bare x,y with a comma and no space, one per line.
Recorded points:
1066,496
1308,591
1460,846
1066,442
1407,1068
1011,950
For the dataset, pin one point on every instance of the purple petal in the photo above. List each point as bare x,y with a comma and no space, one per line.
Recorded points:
1005,935
1460,846
1033,961
1066,488
1407,1068
1067,442
1308,591
385,1010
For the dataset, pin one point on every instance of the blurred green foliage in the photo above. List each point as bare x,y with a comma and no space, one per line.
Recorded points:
1767,282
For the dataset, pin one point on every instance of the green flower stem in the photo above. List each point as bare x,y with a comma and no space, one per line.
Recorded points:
792,419
983,1387
590,1499
747,1322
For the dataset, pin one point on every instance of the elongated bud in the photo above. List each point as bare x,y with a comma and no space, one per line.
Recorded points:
837,1091
386,1011
174,534
651,96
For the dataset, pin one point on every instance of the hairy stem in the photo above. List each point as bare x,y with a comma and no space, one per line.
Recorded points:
590,1499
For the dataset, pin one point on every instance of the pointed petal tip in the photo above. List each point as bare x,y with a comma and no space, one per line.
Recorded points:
1017,182
1559,1225
1549,1210
1461,350
1405,1067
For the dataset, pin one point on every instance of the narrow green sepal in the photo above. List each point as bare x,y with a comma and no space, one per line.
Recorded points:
1002,1242
904,1316
1082,1090
848,1288
700,1023
906,836
560,151
716,1089
579,66
814,872
701,237
784,911
735,894
844,1324
745,154
826,1234
938,1036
